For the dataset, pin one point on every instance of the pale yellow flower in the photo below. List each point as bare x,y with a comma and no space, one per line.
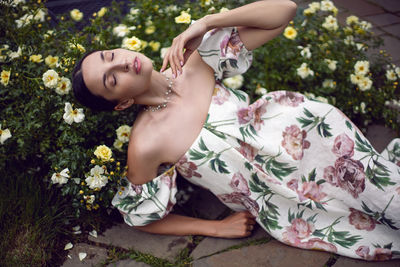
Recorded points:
304,71
155,46
260,91
234,82
391,75
4,135
50,78
365,84
290,33
150,29
72,115
101,12
121,30
5,77
78,47
327,5
356,78
103,152
63,86
331,64
123,133
224,9
330,23
163,51
76,14
144,44
361,67
184,17
60,177
132,43
352,20
36,58
328,83
118,144
96,178
51,61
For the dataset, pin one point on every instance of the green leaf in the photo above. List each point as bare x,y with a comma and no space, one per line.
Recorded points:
202,145
348,124
308,113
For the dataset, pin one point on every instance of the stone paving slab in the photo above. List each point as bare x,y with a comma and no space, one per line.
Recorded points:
95,255
271,254
359,7
212,245
389,5
391,45
393,29
161,246
348,262
380,136
383,19
128,263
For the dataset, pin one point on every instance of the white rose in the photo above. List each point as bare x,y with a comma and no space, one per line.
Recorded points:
4,135
123,133
63,86
50,78
96,178
60,177
365,84
73,115
361,67
304,71
391,75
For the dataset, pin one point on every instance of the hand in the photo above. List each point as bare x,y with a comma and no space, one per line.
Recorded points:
239,224
189,40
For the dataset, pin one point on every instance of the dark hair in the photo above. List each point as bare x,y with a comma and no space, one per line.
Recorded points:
82,93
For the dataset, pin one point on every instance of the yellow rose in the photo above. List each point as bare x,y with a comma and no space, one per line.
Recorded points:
155,46
184,17
132,43
5,77
51,61
101,12
76,14
36,58
103,152
150,29
290,32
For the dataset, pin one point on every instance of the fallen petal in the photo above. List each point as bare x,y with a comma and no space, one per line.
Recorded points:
76,228
82,255
68,246
93,233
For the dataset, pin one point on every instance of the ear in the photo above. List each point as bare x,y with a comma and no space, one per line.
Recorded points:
124,104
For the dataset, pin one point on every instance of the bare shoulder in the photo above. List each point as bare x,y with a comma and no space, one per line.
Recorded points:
145,155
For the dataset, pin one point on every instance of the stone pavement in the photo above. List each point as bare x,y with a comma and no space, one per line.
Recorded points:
259,249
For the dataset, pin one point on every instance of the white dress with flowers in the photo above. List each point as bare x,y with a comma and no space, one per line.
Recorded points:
300,166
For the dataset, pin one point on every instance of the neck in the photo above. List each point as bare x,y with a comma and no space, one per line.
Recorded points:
156,93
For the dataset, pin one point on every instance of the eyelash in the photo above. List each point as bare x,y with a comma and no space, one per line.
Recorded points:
115,79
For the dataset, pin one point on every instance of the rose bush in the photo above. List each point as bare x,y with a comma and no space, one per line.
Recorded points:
47,135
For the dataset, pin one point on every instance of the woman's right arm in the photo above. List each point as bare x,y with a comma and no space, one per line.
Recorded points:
239,224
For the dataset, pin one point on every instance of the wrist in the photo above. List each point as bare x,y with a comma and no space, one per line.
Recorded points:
209,21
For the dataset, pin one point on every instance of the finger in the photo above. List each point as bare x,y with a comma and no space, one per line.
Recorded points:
175,59
172,65
165,61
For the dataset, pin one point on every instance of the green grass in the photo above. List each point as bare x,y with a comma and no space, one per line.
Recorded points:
31,220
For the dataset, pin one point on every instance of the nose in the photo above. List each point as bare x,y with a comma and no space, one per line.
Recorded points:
120,66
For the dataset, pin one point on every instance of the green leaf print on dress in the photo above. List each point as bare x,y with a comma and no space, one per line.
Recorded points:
213,158
315,121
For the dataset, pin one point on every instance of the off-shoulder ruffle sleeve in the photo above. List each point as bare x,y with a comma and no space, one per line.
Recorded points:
143,204
222,50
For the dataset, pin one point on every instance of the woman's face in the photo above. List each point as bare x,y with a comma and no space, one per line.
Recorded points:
117,74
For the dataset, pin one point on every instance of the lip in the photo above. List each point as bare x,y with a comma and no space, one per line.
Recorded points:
137,64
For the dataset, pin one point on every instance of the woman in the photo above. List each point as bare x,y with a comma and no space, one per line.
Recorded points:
299,168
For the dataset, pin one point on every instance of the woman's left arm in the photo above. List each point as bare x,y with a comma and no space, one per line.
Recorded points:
257,23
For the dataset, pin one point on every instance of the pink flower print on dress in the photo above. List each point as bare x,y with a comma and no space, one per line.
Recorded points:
294,141
343,146
253,114
293,184
319,244
361,221
363,252
241,199
311,190
380,254
223,45
330,175
187,168
220,94
350,175
137,188
287,98
234,45
247,151
239,184
398,190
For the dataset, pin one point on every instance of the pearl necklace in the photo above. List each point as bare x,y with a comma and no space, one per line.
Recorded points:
167,97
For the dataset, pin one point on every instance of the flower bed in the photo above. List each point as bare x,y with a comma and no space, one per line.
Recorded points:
83,154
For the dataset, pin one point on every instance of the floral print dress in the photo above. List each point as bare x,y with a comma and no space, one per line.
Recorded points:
300,166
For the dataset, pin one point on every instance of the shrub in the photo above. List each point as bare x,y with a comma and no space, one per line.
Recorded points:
51,133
